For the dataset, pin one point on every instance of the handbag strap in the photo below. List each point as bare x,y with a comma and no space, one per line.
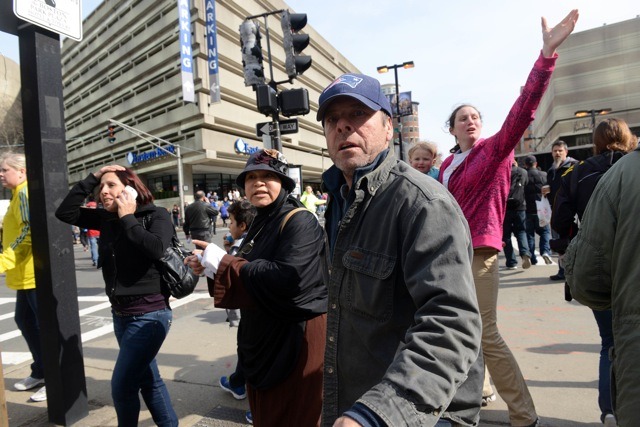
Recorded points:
288,217
175,240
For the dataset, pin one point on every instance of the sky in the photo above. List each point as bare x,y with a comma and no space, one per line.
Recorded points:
465,51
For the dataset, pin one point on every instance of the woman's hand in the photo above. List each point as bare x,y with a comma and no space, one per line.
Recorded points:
211,256
109,168
126,204
553,37
193,261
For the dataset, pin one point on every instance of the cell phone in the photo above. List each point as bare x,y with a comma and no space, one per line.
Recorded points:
132,191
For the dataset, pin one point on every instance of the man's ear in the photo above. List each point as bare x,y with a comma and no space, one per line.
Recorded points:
389,128
243,226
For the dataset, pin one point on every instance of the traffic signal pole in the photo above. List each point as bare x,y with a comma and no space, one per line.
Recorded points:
269,102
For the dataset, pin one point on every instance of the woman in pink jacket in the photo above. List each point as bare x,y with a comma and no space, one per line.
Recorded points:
478,175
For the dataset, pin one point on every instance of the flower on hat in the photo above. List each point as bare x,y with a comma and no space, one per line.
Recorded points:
274,159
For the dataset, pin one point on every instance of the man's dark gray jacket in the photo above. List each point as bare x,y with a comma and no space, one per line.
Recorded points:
403,327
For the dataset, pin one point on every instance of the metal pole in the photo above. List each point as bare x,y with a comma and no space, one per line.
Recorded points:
56,289
398,121
266,30
180,181
275,135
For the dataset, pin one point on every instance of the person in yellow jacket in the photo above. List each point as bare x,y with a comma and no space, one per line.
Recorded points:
16,261
309,200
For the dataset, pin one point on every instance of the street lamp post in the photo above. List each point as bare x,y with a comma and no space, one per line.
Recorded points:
384,69
593,114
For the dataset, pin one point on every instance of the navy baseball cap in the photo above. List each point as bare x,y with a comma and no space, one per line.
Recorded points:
363,88
530,160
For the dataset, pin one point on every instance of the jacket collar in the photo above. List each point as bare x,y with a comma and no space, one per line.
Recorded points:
369,177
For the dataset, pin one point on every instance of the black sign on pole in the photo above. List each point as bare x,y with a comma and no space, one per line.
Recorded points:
286,127
46,154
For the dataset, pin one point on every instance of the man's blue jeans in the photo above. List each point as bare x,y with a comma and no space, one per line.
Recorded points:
514,223
26,317
93,245
532,227
136,370
604,319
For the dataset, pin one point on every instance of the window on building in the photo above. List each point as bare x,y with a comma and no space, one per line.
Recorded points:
215,182
164,187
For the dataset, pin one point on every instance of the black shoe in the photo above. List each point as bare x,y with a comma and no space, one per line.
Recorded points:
557,277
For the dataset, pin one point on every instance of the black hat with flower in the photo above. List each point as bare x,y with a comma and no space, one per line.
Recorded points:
268,160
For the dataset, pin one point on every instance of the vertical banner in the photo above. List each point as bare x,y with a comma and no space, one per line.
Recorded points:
406,106
295,173
186,60
212,51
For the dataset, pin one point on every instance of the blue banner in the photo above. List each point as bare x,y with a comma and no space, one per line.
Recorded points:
212,50
186,60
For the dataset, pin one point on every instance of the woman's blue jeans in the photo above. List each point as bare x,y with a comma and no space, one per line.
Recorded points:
26,317
604,319
136,370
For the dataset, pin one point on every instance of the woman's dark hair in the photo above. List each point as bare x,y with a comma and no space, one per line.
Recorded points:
242,211
129,177
615,135
452,120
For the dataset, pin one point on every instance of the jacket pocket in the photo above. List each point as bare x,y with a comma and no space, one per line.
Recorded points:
369,292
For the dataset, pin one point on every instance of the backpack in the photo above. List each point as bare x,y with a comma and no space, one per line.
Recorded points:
515,199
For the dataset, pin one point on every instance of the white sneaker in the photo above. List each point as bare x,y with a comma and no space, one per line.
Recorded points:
610,421
40,395
28,383
547,259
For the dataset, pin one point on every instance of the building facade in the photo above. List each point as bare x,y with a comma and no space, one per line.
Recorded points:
127,68
597,69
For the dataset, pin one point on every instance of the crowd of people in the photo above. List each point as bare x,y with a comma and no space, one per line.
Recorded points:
346,326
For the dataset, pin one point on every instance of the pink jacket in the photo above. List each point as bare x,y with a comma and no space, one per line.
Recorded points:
481,182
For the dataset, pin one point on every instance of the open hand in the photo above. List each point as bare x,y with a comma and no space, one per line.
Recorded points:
553,37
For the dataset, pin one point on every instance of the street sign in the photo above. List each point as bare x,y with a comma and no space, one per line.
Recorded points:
286,126
60,16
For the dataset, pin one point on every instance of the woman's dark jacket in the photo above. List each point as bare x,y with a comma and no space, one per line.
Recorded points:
282,287
127,251
578,183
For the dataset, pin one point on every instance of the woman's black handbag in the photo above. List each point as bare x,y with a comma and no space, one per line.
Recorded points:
178,277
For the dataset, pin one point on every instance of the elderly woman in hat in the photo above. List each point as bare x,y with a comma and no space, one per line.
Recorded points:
275,279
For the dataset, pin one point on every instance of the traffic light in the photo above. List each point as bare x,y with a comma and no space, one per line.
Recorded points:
294,102
266,99
251,53
295,64
111,134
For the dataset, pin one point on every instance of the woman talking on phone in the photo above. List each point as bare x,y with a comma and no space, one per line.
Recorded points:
134,234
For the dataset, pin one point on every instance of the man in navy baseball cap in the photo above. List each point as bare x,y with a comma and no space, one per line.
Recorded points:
398,271
363,88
